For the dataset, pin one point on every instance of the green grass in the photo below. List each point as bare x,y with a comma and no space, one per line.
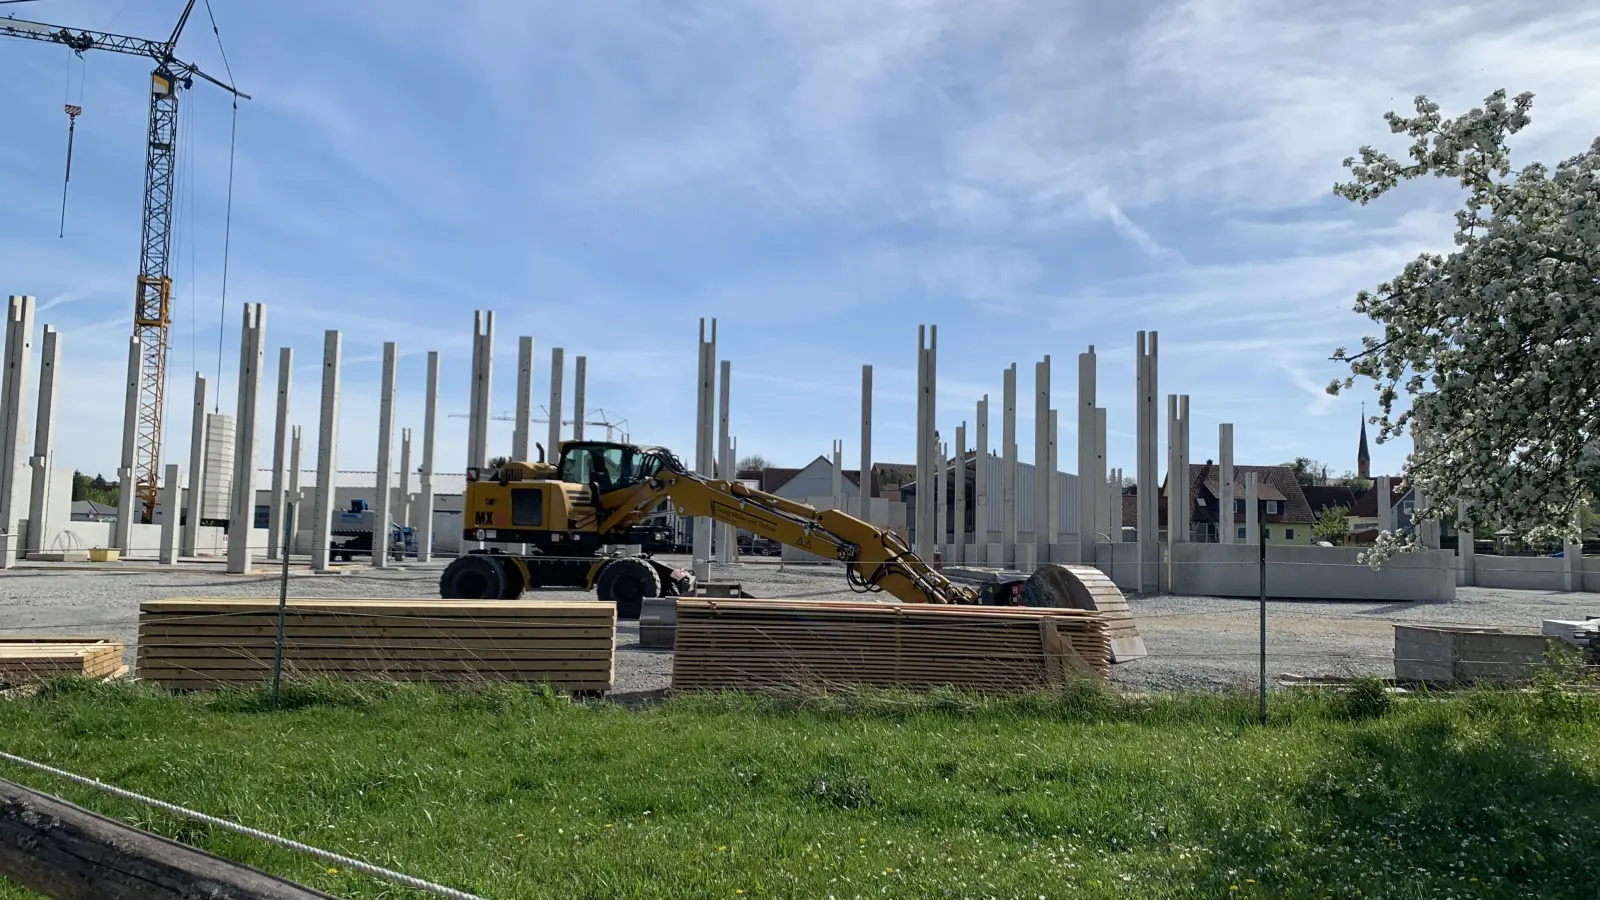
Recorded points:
510,793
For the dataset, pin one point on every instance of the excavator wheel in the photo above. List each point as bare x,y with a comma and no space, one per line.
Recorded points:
627,582
475,576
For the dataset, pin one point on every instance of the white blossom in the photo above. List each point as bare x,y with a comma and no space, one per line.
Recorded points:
1497,343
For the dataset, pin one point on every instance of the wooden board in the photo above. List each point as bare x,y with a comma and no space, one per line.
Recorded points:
773,645
189,643
28,658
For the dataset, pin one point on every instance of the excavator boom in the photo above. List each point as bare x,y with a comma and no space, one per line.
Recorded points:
875,559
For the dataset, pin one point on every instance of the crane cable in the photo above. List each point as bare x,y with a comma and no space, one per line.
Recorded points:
227,222
73,111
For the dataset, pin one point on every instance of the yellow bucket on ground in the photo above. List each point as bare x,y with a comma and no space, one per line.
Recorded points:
104,554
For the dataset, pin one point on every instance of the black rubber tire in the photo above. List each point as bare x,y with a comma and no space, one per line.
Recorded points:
627,582
472,577
511,577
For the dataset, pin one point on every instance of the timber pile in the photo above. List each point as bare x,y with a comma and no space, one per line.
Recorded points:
816,646
200,643
28,658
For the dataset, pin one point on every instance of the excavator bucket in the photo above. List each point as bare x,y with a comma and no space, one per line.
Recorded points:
1085,587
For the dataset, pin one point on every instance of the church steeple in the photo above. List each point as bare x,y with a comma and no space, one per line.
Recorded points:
1363,456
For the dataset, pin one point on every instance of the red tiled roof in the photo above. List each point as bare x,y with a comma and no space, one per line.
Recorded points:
1366,505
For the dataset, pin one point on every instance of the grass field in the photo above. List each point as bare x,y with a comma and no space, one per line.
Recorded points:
508,793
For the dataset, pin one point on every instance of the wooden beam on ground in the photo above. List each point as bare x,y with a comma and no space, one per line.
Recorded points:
64,851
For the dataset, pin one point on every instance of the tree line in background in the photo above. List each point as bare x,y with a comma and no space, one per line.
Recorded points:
95,490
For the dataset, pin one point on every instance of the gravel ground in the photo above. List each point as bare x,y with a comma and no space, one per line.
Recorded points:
1196,643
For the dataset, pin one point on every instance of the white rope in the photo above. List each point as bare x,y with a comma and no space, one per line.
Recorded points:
356,864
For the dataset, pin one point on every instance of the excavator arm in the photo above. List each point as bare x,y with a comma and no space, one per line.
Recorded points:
875,559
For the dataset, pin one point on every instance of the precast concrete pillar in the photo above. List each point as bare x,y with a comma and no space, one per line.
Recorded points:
865,506
404,515
280,449
170,492
1225,498
1090,475
959,484
522,431
1147,389
328,449
725,471
242,503
197,469
128,493
430,416
1252,509
385,505
580,395
1008,470
558,367
42,463
1385,505
980,482
13,423
1043,480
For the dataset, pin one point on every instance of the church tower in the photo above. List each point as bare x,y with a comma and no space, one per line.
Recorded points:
1363,456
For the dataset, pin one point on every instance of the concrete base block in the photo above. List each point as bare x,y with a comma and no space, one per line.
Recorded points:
996,554
59,556
1025,557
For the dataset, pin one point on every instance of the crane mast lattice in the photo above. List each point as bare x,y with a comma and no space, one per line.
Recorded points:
152,305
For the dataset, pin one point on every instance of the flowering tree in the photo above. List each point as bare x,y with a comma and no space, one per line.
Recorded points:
1497,343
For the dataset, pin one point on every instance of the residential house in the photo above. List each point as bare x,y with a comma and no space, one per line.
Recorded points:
90,511
1287,518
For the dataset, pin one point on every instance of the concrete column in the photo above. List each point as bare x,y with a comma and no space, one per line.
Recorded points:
940,503
1225,504
328,446
1252,510
482,388
1042,482
1053,484
1008,470
980,483
558,366
1466,552
1149,506
280,441
380,540
927,417
1097,483
242,503
1385,505
935,514
424,518
1090,474
197,469
1183,468
864,508
127,500
725,460
404,515
170,492
13,422
291,507
580,397
705,429
43,459
522,431
958,469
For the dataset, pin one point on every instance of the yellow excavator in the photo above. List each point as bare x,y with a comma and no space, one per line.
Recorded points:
569,514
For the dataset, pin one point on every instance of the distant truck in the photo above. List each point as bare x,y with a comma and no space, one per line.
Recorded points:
351,534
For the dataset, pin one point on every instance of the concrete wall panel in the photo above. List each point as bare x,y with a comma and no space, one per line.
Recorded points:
1323,573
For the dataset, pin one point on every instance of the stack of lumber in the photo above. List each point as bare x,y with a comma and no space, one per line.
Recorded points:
27,658
199,643
770,645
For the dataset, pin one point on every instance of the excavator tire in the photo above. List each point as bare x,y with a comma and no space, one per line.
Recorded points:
475,576
627,582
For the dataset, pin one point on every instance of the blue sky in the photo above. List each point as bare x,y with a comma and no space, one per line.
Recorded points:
1032,176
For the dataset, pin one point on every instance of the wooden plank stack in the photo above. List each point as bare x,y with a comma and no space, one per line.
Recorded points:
785,647
201,643
28,658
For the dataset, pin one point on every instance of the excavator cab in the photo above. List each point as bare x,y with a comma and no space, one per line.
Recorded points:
608,465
